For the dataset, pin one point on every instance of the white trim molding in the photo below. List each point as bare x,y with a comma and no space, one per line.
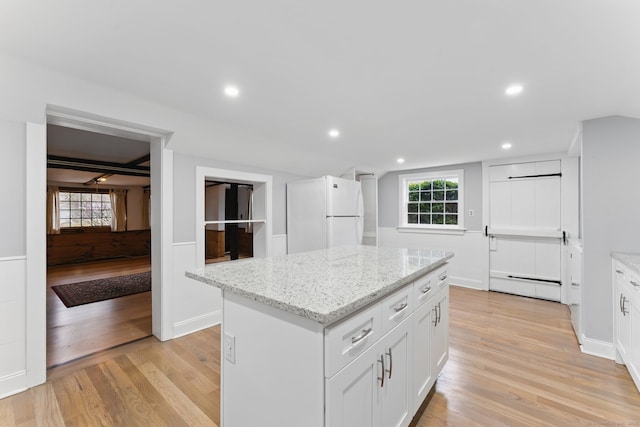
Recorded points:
597,348
197,323
13,383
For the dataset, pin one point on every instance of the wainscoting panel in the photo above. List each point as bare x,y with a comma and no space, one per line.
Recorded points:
12,325
469,249
195,305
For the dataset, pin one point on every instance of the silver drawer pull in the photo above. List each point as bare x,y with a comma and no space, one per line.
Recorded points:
365,333
443,277
390,370
634,283
401,307
425,289
619,271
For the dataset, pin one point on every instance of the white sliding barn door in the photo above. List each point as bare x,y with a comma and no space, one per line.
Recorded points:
525,236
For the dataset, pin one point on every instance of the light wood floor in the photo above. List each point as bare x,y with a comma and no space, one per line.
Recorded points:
74,332
513,362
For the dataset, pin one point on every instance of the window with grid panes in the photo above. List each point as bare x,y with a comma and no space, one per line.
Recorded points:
79,210
432,200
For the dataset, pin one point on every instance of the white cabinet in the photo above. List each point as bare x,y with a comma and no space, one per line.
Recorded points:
423,378
353,395
622,314
373,390
396,403
440,330
372,368
626,318
386,381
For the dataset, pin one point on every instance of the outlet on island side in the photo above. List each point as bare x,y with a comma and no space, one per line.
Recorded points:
471,212
229,347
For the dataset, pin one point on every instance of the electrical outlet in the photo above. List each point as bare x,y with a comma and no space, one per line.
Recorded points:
471,212
229,347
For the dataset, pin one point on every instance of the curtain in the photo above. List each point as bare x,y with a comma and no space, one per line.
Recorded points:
118,210
146,210
53,210
249,227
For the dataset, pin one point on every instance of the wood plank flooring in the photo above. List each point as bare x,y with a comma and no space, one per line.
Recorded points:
74,332
513,361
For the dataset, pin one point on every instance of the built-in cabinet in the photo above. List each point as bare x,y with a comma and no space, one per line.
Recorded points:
383,381
627,318
374,367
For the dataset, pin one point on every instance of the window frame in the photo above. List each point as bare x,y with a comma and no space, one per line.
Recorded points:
70,228
403,182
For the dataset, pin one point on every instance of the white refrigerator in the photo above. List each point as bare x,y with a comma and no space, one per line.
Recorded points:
323,213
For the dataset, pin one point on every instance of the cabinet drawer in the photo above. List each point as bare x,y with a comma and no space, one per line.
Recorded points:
397,307
424,288
349,338
627,280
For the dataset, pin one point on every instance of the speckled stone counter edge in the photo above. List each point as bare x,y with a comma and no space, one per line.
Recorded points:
324,318
631,260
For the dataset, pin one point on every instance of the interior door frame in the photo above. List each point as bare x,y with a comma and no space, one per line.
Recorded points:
161,224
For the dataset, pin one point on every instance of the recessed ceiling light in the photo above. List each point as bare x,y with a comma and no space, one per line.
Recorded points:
231,91
334,133
506,145
514,89
400,160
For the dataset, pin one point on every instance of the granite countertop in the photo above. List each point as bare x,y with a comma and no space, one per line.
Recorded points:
323,285
631,260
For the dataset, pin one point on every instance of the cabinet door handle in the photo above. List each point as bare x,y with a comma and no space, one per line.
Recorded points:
618,271
624,310
620,304
439,312
435,320
365,333
383,371
401,307
390,370
634,283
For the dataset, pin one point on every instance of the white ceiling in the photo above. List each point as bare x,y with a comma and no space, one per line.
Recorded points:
422,80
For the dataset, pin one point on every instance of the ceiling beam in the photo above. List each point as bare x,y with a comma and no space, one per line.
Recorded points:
59,162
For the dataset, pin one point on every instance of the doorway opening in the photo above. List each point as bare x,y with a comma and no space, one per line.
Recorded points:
98,242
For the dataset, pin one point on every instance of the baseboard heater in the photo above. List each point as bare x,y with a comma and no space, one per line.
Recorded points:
535,279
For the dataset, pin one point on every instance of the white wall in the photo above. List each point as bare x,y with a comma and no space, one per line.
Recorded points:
611,213
12,175
467,266
470,252
388,197
27,91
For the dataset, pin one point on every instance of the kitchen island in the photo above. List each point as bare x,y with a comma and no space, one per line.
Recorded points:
345,336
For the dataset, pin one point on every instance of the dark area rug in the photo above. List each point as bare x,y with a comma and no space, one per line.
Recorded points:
73,294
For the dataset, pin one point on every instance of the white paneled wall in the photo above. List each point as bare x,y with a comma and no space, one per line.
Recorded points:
12,312
470,252
195,305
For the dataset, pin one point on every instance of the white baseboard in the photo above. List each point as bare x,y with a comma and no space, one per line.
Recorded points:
13,384
188,326
597,348
466,283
